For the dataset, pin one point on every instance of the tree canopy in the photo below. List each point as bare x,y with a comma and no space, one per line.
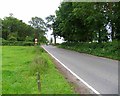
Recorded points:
17,30
87,22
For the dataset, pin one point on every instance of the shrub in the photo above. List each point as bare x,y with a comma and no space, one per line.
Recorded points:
1,40
106,49
17,43
12,38
28,39
28,44
39,64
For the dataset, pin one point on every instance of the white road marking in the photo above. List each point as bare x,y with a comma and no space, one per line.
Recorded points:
90,87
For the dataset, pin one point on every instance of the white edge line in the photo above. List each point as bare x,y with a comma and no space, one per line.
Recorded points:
90,87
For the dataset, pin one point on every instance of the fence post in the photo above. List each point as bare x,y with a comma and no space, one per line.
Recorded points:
38,81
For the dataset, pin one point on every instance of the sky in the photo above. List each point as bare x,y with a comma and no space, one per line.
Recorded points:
25,9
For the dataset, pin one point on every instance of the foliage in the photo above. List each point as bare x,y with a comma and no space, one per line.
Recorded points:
40,27
17,43
84,27
86,22
14,29
12,37
43,39
28,39
28,43
51,25
109,49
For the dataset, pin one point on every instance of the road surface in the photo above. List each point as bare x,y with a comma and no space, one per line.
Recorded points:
100,73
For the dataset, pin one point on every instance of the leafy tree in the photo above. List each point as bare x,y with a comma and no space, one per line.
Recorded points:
11,25
39,25
84,22
117,20
64,22
14,29
51,25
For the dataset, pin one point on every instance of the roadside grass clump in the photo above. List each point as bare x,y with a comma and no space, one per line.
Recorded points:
52,82
39,64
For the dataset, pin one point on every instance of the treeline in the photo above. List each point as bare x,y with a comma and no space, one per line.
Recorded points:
15,30
88,22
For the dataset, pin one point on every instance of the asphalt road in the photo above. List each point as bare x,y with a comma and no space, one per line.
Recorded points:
100,73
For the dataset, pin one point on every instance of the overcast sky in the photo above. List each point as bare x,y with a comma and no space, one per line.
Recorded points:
25,9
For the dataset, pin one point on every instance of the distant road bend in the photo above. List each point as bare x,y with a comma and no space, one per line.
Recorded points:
100,73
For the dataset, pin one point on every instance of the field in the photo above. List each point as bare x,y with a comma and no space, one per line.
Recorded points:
19,72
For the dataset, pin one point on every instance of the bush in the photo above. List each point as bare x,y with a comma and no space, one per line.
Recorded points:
1,39
28,39
12,38
106,49
39,64
28,44
17,43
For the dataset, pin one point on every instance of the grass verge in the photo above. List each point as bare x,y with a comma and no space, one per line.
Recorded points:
19,68
109,49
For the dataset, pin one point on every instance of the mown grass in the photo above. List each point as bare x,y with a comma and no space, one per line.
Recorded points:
108,49
19,72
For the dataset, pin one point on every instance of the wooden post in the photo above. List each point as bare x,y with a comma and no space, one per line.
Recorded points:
38,81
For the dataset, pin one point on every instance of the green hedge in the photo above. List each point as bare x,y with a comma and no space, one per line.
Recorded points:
108,49
17,43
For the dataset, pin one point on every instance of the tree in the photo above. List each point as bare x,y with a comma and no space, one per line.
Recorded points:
13,27
51,40
117,20
83,22
39,25
51,25
63,21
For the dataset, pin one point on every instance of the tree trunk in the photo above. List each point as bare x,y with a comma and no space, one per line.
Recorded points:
112,33
55,39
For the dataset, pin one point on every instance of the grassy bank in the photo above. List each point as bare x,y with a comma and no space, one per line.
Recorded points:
19,68
109,49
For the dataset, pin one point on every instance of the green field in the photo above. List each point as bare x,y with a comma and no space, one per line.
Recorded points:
19,72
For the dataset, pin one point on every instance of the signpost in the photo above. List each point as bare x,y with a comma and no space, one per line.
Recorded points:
36,41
